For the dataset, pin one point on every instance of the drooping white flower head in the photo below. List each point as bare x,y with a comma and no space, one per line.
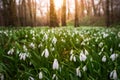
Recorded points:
33,38
111,49
82,57
119,34
26,35
54,40
100,44
45,37
55,65
45,53
72,58
54,77
86,52
84,68
71,52
63,40
104,59
105,35
23,56
31,78
40,75
53,49
32,45
40,45
119,45
113,75
1,76
114,56
10,52
78,72
83,43
25,48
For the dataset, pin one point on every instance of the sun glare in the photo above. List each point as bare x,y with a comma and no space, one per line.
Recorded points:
58,3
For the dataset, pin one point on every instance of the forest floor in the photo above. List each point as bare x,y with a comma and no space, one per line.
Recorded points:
63,53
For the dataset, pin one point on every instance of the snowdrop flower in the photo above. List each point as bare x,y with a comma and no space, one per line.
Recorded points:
54,40
96,39
114,56
11,51
45,37
78,73
71,52
40,75
101,44
83,43
86,52
31,78
45,53
104,59
102,49
32,45
23,56
82,57
119,34
85,68
113,75
1,76
111,49
55,64
32,32
100,53
0,31
26,36
77,40
53,49
119,45
72,57
33,38
63,40
40,45
105,35
25,48
17,52
54,77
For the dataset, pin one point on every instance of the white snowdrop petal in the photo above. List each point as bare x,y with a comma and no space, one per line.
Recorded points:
55,64
114,56
104,59
78,73
40,75
85,68
113,75
82,57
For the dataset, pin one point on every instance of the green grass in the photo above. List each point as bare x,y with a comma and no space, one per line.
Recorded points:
83,53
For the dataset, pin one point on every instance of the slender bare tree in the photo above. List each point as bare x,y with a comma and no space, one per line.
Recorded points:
76,24
53,16
107,14
63,17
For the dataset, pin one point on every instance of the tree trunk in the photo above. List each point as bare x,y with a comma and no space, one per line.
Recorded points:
93,5
76,24
82,8
53,16
112,12
64,13
68,15
10,12
30,12
107,14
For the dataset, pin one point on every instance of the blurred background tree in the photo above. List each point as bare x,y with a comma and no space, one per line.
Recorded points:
55,13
